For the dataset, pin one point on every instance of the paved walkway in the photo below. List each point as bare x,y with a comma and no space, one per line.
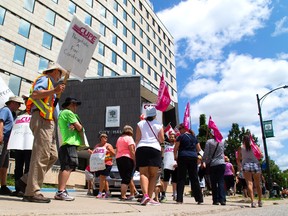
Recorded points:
88,205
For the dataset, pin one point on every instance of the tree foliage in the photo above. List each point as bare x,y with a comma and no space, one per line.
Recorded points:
202,131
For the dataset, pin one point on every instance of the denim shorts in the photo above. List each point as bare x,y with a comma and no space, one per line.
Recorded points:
252,167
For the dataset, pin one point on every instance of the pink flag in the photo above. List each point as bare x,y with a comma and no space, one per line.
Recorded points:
168,130
218,136
164,99
255,149
186,120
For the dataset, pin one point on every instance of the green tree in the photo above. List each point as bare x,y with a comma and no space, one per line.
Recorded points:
202,131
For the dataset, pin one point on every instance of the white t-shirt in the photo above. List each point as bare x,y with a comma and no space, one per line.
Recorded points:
148,138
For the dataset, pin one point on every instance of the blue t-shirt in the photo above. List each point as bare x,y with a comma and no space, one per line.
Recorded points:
187,147
7,117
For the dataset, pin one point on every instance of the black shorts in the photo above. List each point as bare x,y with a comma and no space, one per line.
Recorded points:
68,157
147,156
6,157
105,172
126,168
170,173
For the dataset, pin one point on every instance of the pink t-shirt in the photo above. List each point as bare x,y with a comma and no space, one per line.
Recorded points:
228,169
122,146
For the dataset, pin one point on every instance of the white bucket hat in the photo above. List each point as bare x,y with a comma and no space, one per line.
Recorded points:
15,99
53,66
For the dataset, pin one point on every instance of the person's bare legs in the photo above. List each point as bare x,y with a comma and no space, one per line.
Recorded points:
102,182
124,188
249,181
3,176
144,181
257,179
152,179
132,188
63,178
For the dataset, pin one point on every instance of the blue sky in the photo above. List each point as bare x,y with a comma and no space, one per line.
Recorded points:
227,51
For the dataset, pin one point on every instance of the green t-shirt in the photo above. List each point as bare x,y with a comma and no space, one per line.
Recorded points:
69,136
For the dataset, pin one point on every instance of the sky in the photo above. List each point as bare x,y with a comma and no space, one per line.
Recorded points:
226,52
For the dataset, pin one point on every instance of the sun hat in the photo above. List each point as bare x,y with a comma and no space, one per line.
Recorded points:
53,66
70,100
128,129
150,111
15,99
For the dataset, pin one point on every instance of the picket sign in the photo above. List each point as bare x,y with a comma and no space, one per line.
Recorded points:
21,137
168,159
97,159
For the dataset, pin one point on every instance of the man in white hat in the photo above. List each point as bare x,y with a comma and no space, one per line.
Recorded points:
44,113
7,116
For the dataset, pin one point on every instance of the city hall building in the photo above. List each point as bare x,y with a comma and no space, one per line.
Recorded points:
124,74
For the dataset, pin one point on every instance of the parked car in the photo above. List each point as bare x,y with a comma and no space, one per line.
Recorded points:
114,181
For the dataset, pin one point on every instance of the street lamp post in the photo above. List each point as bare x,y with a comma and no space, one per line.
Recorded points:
263,134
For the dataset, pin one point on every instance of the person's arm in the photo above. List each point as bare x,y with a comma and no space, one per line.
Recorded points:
138,135
198,147
176,148
39,94
78,126
110,149
1,131
161,136
239,158
132,151
232,168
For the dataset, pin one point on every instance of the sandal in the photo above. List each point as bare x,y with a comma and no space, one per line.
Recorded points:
260,203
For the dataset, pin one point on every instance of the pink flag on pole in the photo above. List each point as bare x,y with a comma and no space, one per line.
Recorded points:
255,148
164,99
218,136
186,120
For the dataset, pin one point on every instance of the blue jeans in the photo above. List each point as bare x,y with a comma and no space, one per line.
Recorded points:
217,183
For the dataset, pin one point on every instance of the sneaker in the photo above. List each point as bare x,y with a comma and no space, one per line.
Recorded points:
17,194
145,200
260,203
130,197
174,197
253,205
99,196
163,199
20,185
107,195
63,195
4,190
37,198
153,202
137,195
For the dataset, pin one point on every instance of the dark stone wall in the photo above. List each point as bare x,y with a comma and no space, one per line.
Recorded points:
96,94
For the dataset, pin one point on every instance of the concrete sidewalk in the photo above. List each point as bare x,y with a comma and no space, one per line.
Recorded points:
88,205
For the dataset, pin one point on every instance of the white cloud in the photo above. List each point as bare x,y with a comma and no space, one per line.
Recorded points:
281,27
209,25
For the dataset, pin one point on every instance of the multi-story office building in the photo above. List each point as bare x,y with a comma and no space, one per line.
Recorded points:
133,43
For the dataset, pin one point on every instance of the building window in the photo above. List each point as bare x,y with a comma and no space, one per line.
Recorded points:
133,25
155,76
114,57
154,47
50,17
101,48
133,10
125,2
47,40
141,47
29,5
124,31
71,8
89,3
124,15
102,29
141,33
167,73
115,6
113,74
14,84
149,70
100,70
155,61
103,11
148,41
160,54
148,54
133,56
88,19
133,40
115,21
148,27
2,15
124,66
147,14
55,1
114,39
24,28
171,78
124,48
43,64
141,63
159,41
133,71
19,55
